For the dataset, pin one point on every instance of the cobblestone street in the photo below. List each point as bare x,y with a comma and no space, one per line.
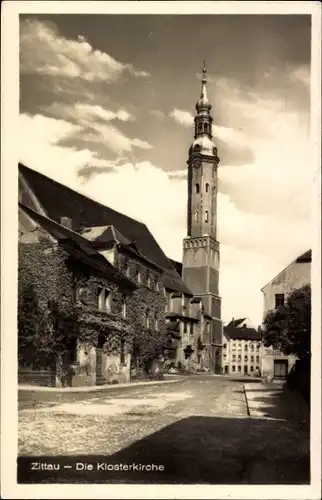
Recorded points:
197,427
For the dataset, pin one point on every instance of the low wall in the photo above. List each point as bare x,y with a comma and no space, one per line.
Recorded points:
37,377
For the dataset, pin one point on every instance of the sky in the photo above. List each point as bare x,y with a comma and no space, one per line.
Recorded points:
107,105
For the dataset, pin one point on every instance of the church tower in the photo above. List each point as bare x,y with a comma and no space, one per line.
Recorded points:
200,247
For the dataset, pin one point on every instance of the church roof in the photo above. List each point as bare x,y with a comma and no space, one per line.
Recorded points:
242,333
60,201
76,245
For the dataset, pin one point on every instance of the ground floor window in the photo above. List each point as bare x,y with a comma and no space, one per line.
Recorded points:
233,368
251,368
239,368
245,369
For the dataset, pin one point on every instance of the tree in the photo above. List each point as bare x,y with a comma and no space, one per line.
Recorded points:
288,328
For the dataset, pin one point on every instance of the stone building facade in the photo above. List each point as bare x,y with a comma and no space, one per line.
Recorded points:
298,273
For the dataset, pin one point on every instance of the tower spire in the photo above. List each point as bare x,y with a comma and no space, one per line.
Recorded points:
203,105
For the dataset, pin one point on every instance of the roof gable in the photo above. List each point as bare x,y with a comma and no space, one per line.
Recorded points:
306,257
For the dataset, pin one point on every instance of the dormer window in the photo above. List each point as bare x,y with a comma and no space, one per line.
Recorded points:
197,188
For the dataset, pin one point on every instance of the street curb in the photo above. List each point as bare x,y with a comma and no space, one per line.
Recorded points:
106,387
246,400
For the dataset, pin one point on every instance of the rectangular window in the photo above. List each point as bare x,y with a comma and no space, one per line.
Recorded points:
257,359
185,327
258,347
191,328
138,275
251,368
234,347
149,281
239,368
252,359
246,347
246,359
225,346
279,299
156,323
234,368
234,357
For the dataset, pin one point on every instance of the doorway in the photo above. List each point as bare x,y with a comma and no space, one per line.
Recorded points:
280,368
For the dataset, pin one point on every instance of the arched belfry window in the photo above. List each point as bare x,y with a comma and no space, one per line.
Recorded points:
206,216
206,128
196,216
197,188
207,187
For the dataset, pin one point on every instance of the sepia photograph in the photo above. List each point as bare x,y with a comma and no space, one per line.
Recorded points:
165,177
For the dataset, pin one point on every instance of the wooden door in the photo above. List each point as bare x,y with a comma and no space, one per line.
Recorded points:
280,368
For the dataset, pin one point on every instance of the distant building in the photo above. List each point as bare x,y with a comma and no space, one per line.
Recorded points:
298,273
242,348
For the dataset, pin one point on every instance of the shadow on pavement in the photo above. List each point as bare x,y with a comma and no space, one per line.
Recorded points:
286,404
208,450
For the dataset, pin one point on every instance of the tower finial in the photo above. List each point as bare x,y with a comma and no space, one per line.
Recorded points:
204,72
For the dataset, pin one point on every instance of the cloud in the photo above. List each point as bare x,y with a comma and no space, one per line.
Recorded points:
158,113
94,111
94,126
115,140
44,51
182,117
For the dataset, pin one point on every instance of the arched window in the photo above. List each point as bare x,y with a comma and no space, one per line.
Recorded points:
196,216
206,128
124,306
197,188
207,187
206,216
146,319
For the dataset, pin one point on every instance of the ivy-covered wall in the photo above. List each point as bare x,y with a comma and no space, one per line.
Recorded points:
63,332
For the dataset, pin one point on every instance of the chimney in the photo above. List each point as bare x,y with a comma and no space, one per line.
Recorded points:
233,322
66,222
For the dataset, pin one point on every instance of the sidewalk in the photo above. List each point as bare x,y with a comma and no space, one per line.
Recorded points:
276,401
93,388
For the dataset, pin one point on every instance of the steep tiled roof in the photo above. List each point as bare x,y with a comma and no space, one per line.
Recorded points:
236,322
60,201
242,333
